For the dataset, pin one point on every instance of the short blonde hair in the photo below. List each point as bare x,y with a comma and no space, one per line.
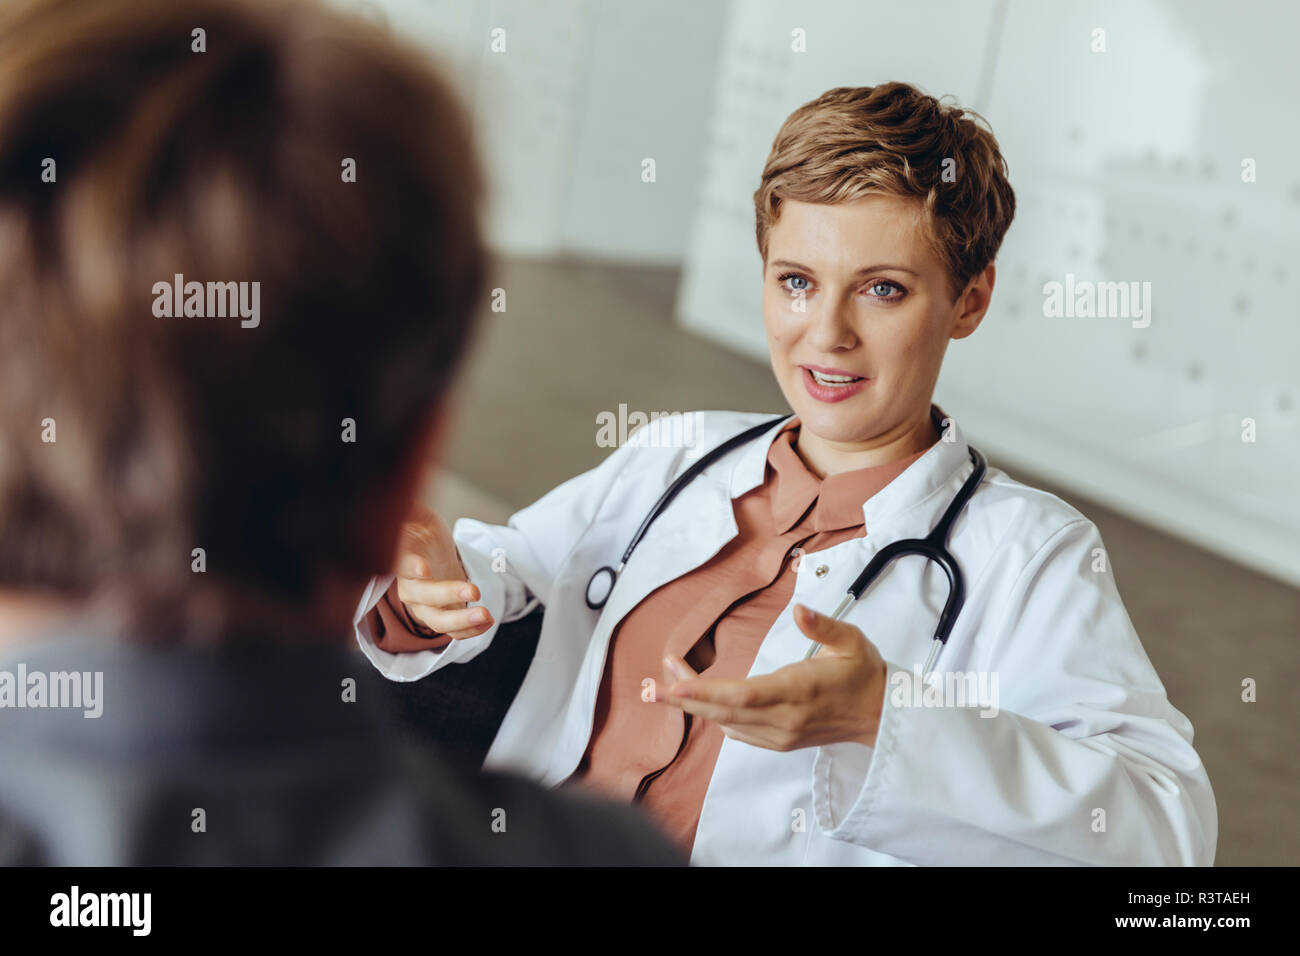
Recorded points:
893,139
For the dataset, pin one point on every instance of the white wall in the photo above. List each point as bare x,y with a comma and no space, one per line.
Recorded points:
583,93
1127,166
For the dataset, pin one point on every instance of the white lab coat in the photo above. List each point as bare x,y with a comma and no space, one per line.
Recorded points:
1085,761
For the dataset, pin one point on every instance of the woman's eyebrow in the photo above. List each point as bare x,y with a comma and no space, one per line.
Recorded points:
791,264
787,264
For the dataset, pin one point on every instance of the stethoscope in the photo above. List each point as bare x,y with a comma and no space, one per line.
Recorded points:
933,547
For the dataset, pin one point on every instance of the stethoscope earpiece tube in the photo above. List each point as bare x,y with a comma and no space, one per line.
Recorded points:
669,494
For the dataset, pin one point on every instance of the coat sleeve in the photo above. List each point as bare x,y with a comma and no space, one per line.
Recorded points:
514,567
1082,761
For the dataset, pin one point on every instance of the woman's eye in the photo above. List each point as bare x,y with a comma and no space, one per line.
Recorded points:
875,287
794,283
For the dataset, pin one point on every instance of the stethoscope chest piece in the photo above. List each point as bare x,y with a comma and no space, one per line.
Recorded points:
600,587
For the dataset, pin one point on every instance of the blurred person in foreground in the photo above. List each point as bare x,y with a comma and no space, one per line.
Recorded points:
240,254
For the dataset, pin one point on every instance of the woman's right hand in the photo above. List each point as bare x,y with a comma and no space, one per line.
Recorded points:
432,583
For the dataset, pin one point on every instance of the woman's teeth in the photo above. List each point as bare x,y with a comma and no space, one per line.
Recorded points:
821,379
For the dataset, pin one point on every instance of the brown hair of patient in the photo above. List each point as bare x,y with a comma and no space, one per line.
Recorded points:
173,434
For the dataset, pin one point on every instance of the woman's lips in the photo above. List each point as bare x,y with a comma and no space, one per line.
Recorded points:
831,393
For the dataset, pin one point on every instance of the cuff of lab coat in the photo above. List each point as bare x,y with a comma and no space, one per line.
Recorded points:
413,665
397,632
847,775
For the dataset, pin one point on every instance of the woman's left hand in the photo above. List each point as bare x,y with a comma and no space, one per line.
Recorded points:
835,697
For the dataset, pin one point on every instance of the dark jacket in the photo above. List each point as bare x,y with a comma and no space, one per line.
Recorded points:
283,769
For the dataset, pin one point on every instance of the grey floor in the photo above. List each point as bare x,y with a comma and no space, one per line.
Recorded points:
578,337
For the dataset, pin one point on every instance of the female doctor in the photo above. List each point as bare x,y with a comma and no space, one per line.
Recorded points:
691,689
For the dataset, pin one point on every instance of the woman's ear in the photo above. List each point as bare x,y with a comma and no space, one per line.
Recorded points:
973,303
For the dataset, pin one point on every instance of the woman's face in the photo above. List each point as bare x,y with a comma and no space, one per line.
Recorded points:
854,288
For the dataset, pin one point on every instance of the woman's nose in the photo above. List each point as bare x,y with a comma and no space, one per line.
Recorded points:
829,325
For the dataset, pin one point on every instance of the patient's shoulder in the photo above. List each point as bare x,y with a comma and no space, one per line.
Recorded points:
486,817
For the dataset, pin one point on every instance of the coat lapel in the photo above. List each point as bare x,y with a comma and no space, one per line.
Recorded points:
690,531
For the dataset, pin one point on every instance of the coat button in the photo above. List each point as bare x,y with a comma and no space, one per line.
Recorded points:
821,570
